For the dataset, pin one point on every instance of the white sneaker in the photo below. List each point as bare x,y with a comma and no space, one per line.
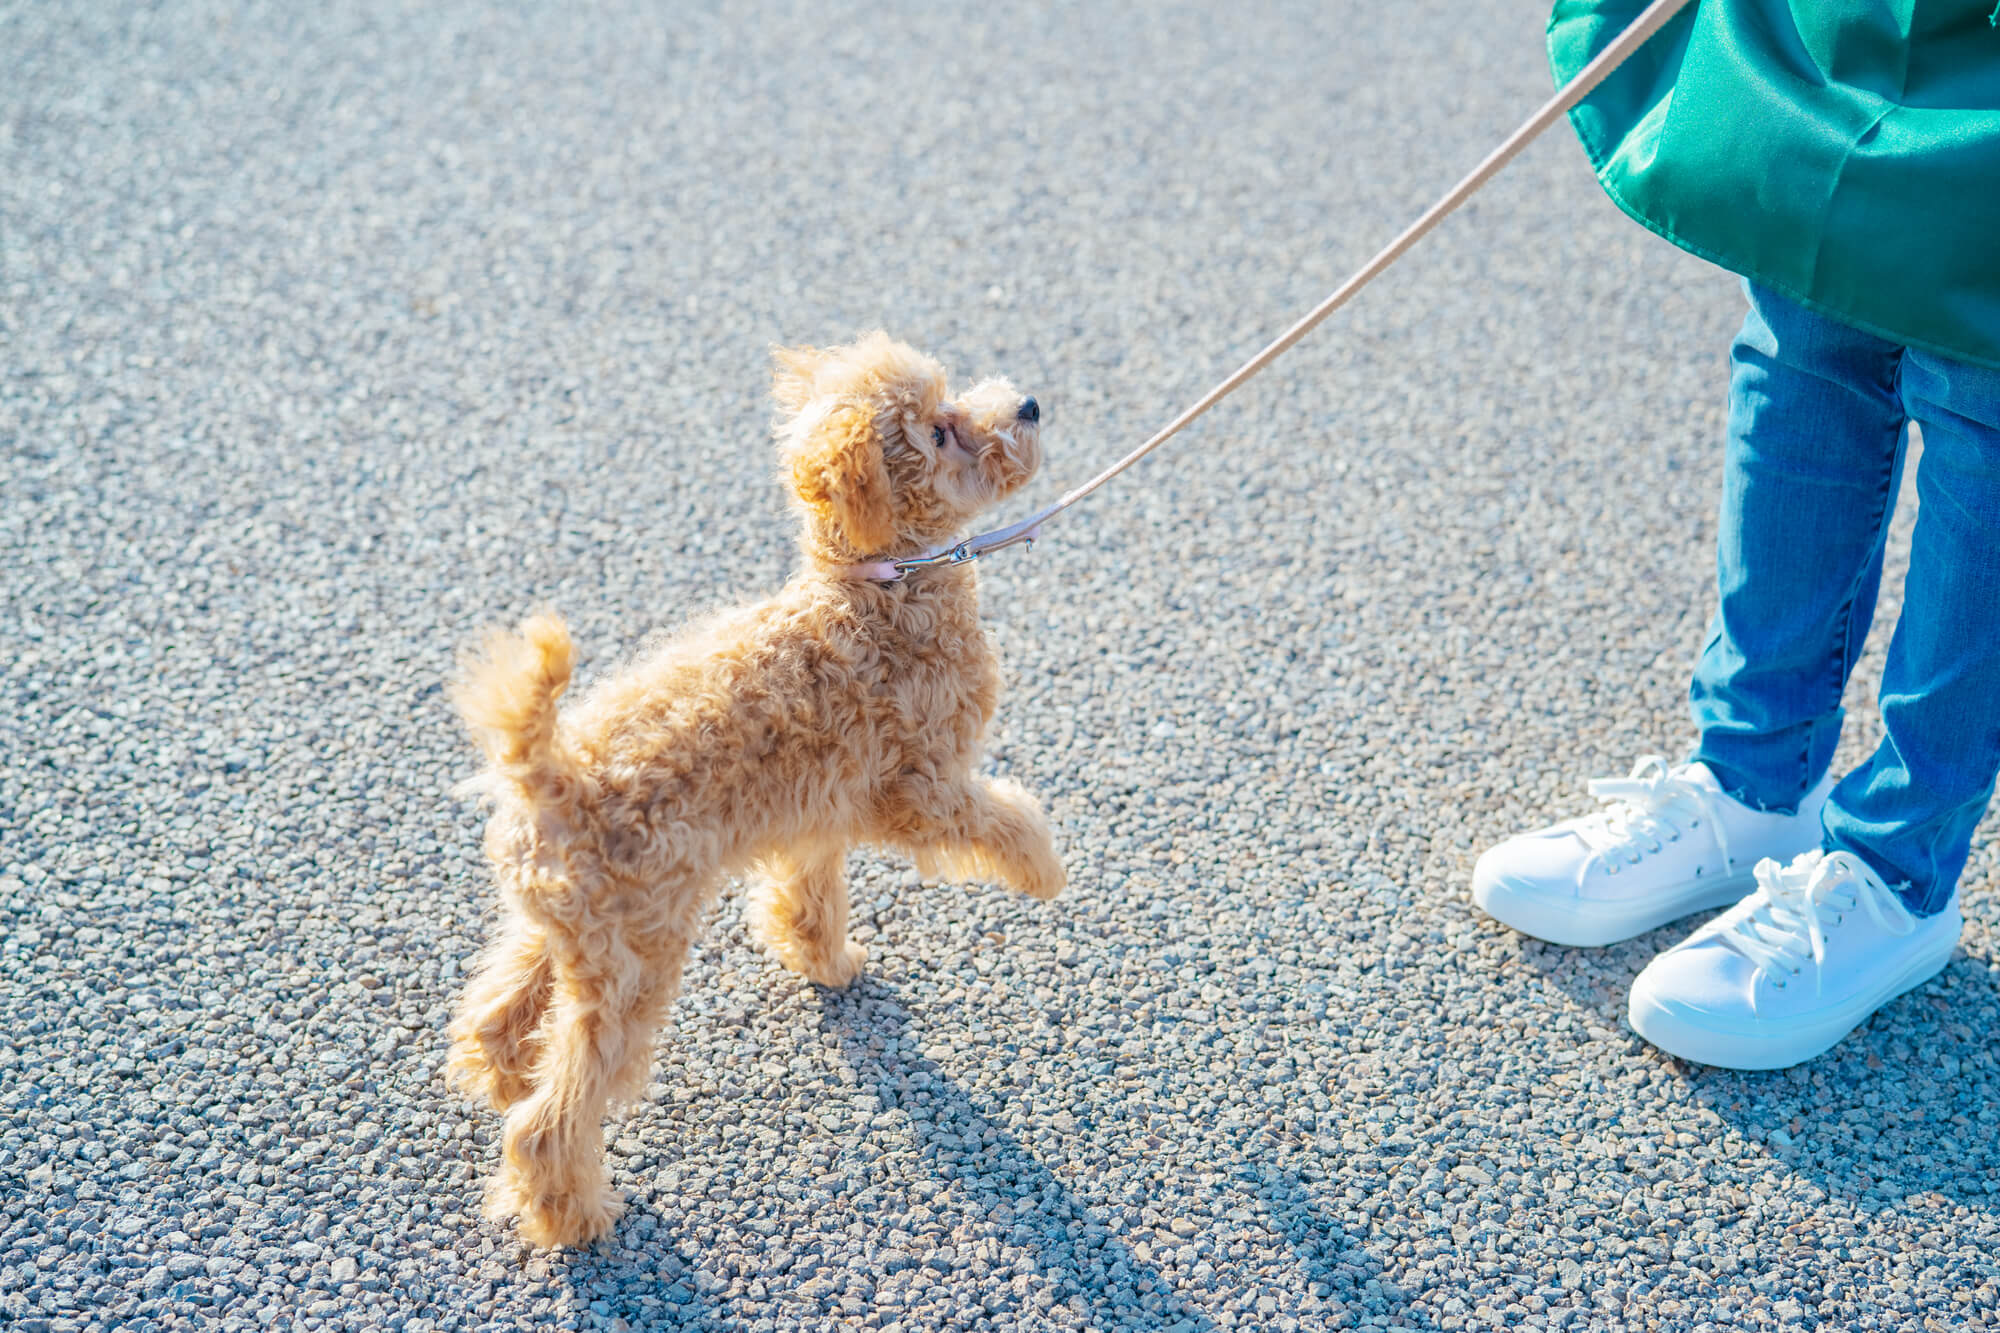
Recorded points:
1670,843
1791,969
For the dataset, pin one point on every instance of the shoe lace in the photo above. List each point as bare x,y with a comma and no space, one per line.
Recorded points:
1644,806
1788,913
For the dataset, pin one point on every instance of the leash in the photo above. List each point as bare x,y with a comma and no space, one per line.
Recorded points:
972,548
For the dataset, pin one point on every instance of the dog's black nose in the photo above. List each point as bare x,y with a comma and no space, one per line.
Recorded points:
1030,410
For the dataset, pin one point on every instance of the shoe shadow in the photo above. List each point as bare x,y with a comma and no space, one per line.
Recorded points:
994,1175
1901,1111
1597,980
1904,1108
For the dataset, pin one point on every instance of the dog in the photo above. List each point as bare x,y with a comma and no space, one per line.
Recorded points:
768,740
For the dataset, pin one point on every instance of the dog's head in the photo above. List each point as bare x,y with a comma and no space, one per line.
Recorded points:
883,461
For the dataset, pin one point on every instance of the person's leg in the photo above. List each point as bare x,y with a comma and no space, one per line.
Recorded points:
1845,928
1910,811
1814,451
1816,430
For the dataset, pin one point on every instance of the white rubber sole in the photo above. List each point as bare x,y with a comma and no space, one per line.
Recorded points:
1707,1039
1585,924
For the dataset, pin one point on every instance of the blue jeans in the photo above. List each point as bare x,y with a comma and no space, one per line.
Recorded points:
1817,418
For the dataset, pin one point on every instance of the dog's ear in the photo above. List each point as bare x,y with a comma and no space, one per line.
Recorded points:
838,473
792,372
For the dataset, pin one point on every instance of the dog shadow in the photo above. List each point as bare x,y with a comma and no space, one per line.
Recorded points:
973,1153
985,1171
1890,1115
1328,1252
869,1021
603,1279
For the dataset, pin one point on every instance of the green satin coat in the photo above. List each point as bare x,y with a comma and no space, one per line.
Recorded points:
1846,153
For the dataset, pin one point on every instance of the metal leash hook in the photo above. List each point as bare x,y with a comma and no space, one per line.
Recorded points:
985,543
1650,21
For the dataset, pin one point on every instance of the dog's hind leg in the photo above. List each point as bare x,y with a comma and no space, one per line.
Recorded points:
596,1047
977,829
495,1035
798,910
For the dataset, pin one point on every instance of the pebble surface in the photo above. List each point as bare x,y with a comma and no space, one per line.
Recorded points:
334,333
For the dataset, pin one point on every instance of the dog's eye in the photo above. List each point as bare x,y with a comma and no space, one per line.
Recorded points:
937,436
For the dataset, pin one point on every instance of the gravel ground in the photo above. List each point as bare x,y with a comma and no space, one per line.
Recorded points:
334,333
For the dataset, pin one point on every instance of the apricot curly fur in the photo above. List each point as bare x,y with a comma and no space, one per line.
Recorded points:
769,739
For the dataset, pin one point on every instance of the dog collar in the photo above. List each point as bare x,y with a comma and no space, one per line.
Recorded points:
892,571
875,571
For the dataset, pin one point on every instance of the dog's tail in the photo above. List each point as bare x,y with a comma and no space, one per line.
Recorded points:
507,693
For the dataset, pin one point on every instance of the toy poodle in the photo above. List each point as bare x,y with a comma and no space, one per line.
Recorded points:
848,708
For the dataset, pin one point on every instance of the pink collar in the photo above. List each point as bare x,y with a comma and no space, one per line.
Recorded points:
875,571
892,571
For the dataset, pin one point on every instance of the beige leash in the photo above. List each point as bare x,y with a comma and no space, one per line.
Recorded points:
1614,55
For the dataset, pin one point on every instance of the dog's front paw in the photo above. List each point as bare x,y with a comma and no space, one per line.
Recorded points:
834,968
1045,887
1042,876
837,970
824,965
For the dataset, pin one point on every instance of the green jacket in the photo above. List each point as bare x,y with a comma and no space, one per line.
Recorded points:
1844,152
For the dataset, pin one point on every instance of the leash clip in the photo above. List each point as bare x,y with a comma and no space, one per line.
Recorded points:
969,550
961,554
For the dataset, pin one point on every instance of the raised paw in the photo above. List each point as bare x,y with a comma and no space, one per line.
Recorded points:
1042,878
1046,887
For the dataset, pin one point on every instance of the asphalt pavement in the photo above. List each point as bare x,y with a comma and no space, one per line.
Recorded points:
331,334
